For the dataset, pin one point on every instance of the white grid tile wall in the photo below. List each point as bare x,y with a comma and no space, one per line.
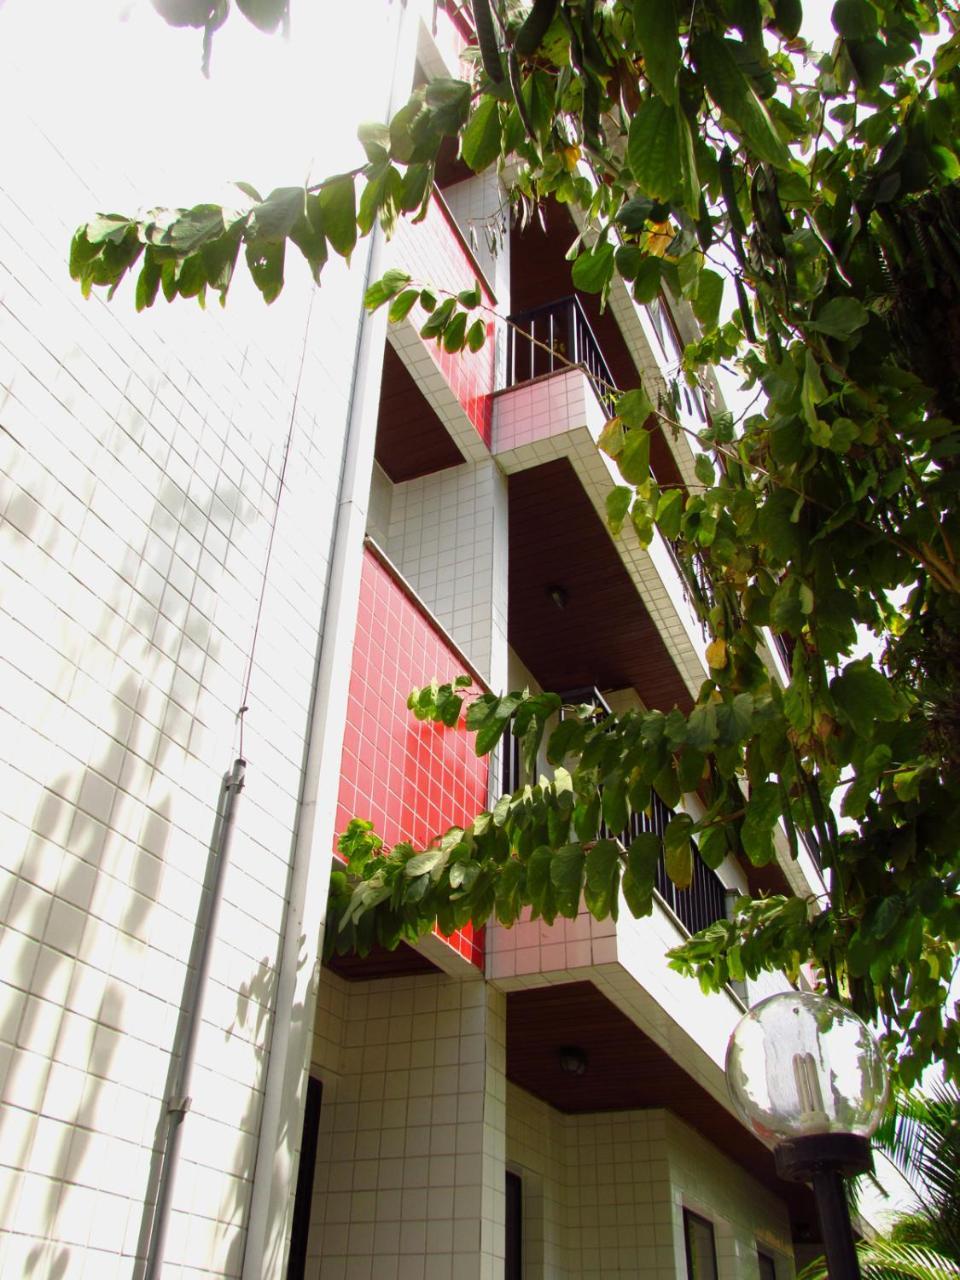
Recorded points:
408,1182
448,537
139,469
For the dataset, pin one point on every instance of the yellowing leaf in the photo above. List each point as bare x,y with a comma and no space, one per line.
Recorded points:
717,654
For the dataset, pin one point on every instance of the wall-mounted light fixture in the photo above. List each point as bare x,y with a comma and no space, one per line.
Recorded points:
572,1060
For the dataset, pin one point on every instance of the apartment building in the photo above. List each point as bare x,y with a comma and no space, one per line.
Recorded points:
244,536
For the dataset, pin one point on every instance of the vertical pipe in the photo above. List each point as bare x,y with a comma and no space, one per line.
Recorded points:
835,1225
178,1101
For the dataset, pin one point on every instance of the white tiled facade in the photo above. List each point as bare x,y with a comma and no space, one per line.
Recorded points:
184,496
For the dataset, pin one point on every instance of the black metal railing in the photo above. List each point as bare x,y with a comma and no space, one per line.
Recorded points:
553,337
696,907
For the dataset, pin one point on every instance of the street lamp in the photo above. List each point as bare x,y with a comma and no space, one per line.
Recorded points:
807,1077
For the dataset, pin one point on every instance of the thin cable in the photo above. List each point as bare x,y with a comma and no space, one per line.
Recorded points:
248,676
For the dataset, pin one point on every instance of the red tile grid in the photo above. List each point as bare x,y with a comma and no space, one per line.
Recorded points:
435,253
412,780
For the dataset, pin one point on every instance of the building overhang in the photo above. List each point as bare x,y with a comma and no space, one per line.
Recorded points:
627,1070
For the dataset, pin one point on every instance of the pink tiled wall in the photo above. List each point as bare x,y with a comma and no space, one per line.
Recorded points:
434,254
412,780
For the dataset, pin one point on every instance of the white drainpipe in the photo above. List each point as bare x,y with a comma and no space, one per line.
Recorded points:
284,1089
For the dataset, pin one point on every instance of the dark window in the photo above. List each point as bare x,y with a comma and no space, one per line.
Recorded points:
296,1267
701,1249
513,1259
768,1268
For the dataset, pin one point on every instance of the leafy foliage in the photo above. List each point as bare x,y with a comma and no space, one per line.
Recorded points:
703,146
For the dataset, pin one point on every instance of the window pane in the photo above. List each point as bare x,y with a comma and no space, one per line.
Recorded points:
296,1267
701,1250
513,1261
768,1268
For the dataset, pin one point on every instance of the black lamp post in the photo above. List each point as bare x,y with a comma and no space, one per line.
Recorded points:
808,1078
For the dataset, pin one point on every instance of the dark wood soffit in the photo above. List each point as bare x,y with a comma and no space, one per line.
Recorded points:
381,963
604,636
411,439
625,1071
539,273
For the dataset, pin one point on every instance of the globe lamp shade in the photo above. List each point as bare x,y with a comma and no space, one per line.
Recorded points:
800,1065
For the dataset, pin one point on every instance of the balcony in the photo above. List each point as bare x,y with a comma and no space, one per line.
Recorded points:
552,338
696,907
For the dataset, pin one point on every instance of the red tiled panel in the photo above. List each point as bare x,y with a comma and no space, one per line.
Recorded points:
412,780
434,253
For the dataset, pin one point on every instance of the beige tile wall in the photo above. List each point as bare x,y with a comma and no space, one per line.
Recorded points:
604,1196
409,1179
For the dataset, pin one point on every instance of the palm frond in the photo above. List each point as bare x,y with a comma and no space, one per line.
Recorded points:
887,1260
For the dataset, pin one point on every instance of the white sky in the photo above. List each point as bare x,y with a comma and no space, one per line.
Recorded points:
274,112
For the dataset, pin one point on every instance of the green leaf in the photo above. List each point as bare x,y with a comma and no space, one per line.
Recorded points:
648,280
703,469
566,875
422,863
491,730
566,738
854,19
702,726
266,15
712,846
265,260
840,318
706,303
476,335
602,879
643,858
543,898
634,459
192,228
756,834
654,149
338,210
613,803
736,97
438,319
656,27
402,305
634,407
618,504
480,141
864,696
375,140
669,513
678,850
593,271
509,892
787,17
274,218
611,437
387,287
735,719
455,332
308,235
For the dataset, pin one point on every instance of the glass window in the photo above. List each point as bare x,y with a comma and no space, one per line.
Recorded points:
768,1268
513,1261
701,1249
296,1267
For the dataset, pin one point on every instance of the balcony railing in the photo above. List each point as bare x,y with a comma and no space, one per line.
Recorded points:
553,337
696,907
